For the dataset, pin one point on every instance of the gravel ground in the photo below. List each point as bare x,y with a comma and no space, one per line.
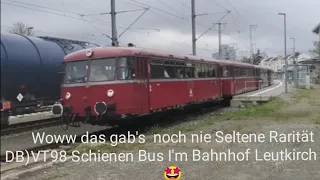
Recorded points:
24,140
301,113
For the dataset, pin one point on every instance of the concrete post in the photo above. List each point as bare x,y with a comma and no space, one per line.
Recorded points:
193,16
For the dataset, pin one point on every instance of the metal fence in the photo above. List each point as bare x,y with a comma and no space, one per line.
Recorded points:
299,76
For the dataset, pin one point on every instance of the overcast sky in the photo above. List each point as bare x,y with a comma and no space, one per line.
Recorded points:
173,19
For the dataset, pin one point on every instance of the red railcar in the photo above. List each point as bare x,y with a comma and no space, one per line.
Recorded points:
238,77
105,84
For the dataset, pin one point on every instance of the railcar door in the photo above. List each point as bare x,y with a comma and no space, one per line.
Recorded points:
143,71
219,76
235,72
189,74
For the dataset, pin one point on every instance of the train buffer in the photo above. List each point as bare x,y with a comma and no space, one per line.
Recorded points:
258,96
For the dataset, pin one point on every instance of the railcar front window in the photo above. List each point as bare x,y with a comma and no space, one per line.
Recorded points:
76,72
125,68
102,70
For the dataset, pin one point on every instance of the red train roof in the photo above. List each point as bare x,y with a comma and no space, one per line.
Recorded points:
105,52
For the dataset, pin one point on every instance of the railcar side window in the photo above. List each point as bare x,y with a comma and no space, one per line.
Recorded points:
157,69
76,72
245,72
170,69
258,72
251,72
179,69
103,70
180,72
189,71
125,68
209,70
197,70
236,72
203,71
226,72
214,71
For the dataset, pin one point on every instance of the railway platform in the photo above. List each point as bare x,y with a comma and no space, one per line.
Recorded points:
261,95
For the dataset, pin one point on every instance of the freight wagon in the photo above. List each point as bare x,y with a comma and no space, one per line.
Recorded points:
29,78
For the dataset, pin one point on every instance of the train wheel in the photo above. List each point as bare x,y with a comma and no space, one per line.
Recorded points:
64,122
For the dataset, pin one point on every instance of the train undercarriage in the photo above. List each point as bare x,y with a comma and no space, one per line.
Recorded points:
32,107
108,117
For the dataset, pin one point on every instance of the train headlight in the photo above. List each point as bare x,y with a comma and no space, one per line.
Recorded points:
68,95
110,93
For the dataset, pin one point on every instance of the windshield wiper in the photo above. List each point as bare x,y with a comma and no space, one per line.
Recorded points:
76,79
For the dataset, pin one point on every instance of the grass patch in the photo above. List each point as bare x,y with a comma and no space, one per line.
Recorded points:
303,94
272,109
269,109
275,109
154,130
186,128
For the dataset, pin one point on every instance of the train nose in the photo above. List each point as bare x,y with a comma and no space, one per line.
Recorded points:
57,109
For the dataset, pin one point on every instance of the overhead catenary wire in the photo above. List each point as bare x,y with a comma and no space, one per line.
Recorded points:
221,5
166,5
29,4
160,10
101,22
237,11
184,4
168,13
228,11
117,12
133,22
57,34
92,22
212,26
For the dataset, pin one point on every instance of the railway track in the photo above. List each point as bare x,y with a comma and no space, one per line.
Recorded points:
27,126
164,121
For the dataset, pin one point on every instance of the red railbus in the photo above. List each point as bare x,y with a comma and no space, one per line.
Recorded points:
105,84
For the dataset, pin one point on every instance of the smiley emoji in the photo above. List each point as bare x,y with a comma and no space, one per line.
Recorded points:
172,173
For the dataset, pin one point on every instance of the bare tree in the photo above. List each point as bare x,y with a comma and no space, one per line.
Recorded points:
22,29
316,50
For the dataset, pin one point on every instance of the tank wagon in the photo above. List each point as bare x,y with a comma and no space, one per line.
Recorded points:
29,77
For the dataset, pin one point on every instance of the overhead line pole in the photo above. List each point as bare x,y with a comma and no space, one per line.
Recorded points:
294,45
219,45
193,16
295,71
285,51
114,37
113,24
251,44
